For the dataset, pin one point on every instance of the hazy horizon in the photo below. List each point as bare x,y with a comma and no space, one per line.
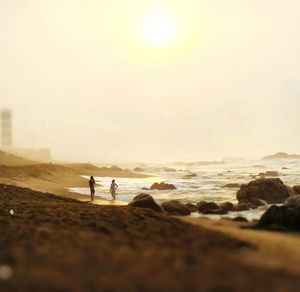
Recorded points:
128,81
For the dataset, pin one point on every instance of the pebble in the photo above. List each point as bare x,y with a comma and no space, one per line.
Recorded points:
6,272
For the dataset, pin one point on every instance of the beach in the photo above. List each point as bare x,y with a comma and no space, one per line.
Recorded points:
61,241
56,244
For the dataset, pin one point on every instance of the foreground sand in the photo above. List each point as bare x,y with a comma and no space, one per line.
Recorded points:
58,244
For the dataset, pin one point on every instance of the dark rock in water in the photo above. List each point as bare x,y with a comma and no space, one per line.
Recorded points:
169,169
215,211
192,207
162,186
269,174
293,201
232,185
174,207
258,202
296,190
228,206
271,190
145,201
285,168
189,176
241,207
282,155
207,206
240,219
280,217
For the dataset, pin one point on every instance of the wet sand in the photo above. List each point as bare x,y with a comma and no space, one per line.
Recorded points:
58,244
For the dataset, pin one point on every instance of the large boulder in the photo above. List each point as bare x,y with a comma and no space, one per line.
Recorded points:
228,206
280,217
293,201
145,201
271,190
207,206
297,189
191,207
174,207
162,186
241,207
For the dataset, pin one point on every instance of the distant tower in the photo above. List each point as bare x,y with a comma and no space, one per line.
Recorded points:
6,130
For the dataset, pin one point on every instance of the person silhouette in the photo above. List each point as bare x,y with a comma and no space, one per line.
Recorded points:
113,188
92,187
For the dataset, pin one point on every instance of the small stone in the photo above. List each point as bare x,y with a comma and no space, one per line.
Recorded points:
6,272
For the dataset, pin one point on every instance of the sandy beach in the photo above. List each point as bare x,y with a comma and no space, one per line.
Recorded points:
65,242
53,243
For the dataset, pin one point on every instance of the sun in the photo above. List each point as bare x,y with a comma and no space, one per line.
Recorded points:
158,28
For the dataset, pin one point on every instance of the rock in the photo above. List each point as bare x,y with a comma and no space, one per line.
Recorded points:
218,211
189,176
175,208
191,207
280,217
206,206
258,202
285,168
162,186
145,201
297,189
271,190
241,207
293,201
282,155
169,169
228,206
269,174
240,219
232,185
139,169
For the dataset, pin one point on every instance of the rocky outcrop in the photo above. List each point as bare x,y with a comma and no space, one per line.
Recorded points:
280,217
293,201
258,202
241,207
174,207
271,190
206,206
162,186
270,173
296,190
192,207
145,201
282,155
189,176
228,206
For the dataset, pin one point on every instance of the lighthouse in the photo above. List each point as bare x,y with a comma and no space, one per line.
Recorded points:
6,130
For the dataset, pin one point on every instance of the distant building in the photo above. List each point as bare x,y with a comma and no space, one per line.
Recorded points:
43,155
6,130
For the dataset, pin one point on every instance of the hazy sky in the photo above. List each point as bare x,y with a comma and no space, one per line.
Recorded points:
138,80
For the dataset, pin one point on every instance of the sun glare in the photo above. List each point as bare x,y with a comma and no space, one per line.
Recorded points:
158,28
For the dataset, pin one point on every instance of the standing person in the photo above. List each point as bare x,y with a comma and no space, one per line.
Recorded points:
113,188
92,187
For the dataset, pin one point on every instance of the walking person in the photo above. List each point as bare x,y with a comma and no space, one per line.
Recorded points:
113,188
92,187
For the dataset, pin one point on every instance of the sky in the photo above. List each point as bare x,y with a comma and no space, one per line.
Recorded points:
138,80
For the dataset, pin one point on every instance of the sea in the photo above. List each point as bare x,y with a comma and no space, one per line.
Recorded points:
198,181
